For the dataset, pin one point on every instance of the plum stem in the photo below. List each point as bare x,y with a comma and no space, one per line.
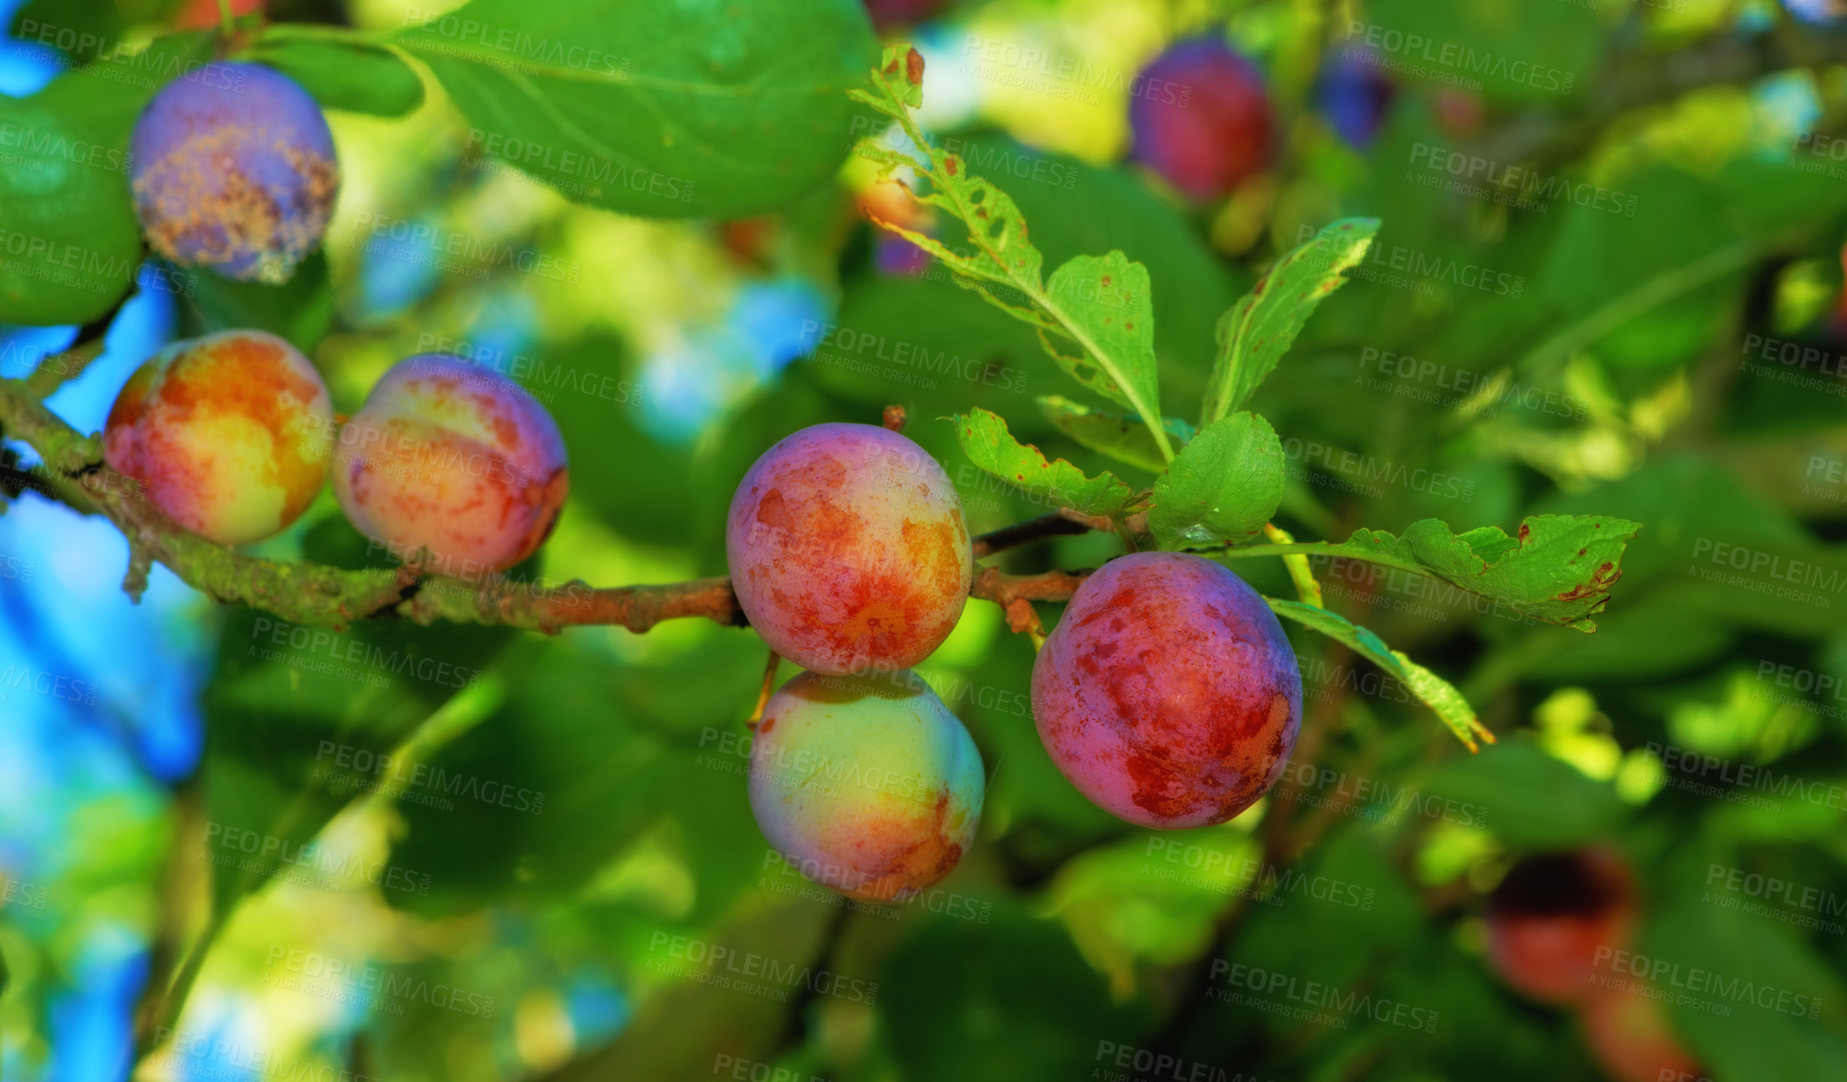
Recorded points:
763,696
225,18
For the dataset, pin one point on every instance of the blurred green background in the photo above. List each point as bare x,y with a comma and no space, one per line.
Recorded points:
463,854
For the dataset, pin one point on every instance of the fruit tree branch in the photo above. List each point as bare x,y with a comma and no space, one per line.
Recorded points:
311,594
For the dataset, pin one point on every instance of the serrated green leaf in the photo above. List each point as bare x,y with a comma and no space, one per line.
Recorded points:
714,108
988,444
1222,487
1255,333
1099,304
64,194
349,75
1435,692
1558,569
1119,436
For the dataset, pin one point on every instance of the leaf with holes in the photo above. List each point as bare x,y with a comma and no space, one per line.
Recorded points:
1099,305
1260,328
988,444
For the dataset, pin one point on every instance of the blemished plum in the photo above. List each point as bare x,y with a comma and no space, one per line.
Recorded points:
848,550
1551,915
228,433
455,458
234,169
866,784
1202,119
1168,694
1630,1037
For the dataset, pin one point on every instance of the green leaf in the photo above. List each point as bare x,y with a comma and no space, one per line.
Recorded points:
349,75
300,310
1109,312
1100,304
702,108
1559,569
1120,437
988,444
64,193
1222,487
1434,691
1259,329
1529,799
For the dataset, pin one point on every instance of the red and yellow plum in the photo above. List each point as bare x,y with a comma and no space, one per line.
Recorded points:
453,458
234,169
1550,916
866,784
1168,694
848,550
1203,119
229,433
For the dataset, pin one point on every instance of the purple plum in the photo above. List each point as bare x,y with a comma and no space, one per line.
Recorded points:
1201,118
848,550
1167,693
234,169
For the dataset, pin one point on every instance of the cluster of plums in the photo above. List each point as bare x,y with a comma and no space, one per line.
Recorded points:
1553,924
1168,694
232,435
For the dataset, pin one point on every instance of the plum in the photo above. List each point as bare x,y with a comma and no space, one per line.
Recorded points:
455,458
234,169
1550,915
229,433
1355,96
866,784
1201,118
848,550
1168,694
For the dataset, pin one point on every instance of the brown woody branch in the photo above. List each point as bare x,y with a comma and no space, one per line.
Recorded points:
312,594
